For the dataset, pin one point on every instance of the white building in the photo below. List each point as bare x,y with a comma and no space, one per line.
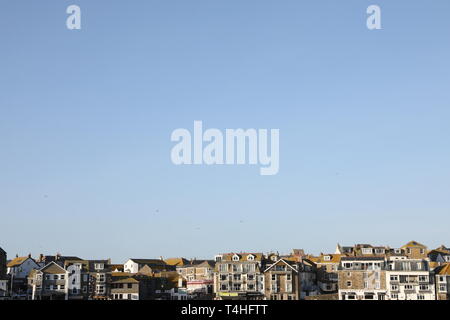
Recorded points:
20,267
409,279
134,265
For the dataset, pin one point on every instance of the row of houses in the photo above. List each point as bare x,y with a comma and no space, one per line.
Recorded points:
359,272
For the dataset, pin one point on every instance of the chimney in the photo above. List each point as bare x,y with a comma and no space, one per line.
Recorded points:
161,258
29,255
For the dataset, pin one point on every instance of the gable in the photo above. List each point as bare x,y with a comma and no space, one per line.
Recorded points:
53,268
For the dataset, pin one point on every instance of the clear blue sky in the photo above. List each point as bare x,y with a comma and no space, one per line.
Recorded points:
86,118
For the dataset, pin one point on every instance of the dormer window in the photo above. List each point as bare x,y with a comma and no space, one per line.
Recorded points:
99,266
274,258
327,258
367,251
251,258
235,257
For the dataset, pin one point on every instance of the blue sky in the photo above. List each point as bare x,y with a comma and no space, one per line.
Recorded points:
86,118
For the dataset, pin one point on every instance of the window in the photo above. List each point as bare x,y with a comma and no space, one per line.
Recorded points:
394,288
367,251
288,277
394,296
101,277
251,287
62,277
250,258
408,287
251,277
235,258
74,291
223,268
99,266
61,287
288,287
442,288
394,278
327,258
130,286
421,297
423,278
349,284
274,277
224,287
424,287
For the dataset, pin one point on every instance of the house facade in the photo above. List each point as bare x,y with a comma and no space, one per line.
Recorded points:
18,270
199,277
239,276
415,250
156,265
362,278
327,272
409,279
443,282
48,283
281,280
78,279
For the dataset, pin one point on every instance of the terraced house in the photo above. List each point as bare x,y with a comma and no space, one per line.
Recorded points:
239,276
327,271
78,279
281,279
18,270
443,282
362,278
48,283
199,277
409,279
